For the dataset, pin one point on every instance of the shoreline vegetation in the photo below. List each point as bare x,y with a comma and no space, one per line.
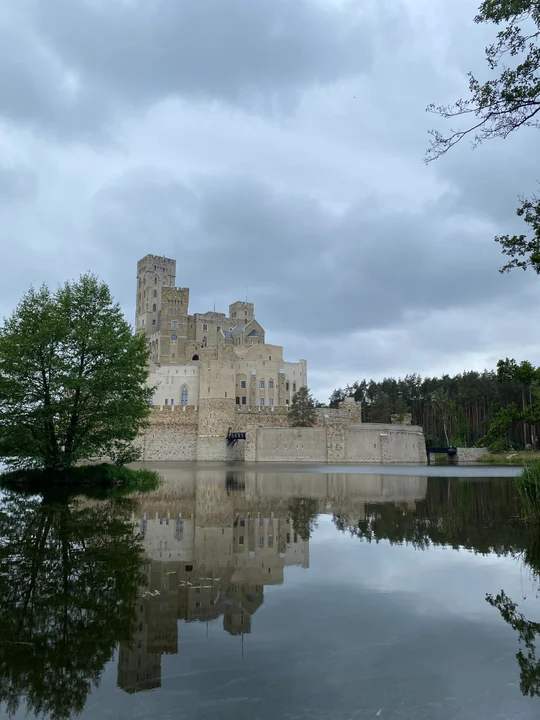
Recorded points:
100,476
518,458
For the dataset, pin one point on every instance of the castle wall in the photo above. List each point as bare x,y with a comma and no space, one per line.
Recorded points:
292,445
379,443
172,435
200,434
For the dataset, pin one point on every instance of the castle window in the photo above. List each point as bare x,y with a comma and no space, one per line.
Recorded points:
287,386
155,281
172,401
154,321
166,401
184,396
218,328
294,387
241,540
204,341
154,307
287,401
261,384
238,401
270,401
261,401
269,357
195,357
205,326
270,384
154,293
244,400
243,383
174,323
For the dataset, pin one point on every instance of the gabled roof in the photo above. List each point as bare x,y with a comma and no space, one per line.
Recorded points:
255,333
237,329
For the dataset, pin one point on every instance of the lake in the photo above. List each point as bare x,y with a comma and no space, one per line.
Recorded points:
292,592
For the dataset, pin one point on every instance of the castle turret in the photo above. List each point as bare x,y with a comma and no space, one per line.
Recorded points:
240,313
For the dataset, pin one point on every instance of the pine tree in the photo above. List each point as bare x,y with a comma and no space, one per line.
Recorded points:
303,412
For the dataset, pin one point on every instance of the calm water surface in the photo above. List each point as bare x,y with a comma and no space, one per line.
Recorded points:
240,593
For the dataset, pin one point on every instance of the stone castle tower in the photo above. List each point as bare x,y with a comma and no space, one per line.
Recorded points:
203,358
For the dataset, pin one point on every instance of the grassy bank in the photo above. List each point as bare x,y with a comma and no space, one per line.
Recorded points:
103,475
518,459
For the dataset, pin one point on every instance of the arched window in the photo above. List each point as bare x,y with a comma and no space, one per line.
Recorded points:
155,281
195,357
294,387
154,293
270,384
204,341
154,307
184,396
261,384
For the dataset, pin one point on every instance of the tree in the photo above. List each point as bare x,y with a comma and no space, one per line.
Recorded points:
303,513
70,577
471,402
524,374
303,412
72,378
503,104
527,631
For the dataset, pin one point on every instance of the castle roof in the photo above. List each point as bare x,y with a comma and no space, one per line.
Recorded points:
237,329
255,333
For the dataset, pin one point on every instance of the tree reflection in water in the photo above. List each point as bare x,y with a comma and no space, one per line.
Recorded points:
482,517
527,630
70,571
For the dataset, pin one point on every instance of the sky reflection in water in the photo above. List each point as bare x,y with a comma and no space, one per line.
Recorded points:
232,614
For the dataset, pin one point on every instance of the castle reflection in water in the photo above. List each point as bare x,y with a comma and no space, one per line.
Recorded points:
214,538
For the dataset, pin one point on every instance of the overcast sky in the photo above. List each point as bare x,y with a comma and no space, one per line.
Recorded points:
276,144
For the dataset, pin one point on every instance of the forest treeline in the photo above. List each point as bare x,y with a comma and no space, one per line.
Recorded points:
456,410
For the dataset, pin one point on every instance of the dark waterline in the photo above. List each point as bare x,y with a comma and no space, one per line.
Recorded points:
276,592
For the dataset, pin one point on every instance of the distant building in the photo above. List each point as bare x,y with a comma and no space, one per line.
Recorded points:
238,363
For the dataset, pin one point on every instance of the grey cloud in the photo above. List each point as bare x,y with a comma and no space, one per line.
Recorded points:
34,82
17,183
369,268
260,55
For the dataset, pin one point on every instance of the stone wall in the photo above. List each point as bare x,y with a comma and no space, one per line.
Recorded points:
379,443
172,435
291,445
470,455
200,434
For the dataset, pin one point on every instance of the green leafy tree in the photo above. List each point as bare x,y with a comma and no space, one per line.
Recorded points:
503,104
70,573
303,411
72,378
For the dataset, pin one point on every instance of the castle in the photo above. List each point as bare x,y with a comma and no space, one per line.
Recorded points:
215,374
181,345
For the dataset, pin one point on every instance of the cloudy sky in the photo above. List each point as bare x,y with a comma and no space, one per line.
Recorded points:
276,144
